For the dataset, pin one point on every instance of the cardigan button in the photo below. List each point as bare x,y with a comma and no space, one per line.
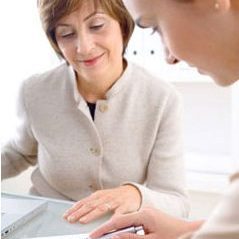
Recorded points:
91,187
95,151
103,107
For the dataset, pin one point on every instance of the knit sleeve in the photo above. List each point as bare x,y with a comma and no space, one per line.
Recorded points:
20,152
164,186
223,223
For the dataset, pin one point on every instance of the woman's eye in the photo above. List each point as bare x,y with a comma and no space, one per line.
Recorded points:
68,35
96,27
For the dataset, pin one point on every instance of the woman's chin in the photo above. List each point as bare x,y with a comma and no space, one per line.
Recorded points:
222,80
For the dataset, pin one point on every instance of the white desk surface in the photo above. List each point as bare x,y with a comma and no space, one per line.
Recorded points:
50,222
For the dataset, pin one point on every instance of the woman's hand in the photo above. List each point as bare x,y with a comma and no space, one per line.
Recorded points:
156,224
123,199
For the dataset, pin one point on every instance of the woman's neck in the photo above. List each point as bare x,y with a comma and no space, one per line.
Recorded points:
95,89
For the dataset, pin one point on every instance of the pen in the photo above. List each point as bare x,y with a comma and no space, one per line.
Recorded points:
131,229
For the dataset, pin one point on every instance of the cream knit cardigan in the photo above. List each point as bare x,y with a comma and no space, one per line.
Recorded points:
136,138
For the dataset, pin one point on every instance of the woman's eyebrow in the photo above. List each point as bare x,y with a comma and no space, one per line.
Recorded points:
63,25
85,19
92,14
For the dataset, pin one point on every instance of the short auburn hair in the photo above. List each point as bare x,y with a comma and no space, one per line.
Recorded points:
51,11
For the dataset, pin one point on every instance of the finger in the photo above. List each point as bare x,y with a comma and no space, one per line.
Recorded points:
94,214
128,236
71,210
116,223
82,211
120,211
87,205
92,201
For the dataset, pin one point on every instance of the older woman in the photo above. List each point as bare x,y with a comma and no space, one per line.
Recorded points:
206,35
100,129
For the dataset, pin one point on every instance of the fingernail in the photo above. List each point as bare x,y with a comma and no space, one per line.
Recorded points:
83,219
71,219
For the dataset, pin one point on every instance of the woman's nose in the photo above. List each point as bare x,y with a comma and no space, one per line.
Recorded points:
84,45
170,58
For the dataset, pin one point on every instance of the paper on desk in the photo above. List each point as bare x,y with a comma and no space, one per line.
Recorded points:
76,236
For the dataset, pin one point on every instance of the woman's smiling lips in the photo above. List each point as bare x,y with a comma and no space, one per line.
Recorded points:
92,61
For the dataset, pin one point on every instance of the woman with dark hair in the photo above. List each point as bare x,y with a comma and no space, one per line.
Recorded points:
102,131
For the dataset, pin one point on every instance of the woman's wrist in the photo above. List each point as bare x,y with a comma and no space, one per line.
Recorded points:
136,192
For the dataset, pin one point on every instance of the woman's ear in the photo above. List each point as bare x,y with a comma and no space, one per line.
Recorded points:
222,5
